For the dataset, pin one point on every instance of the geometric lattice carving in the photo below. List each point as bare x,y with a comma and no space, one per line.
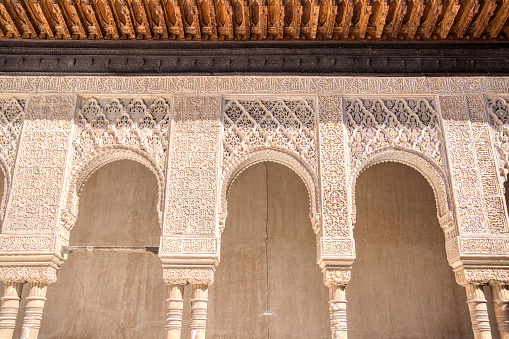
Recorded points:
287,125
11,120
374,124
106,123
499,118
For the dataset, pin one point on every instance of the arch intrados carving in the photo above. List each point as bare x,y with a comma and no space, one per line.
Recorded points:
426,167
6,188
307,176
88,166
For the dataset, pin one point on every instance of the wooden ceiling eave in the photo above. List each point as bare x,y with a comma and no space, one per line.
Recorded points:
255,19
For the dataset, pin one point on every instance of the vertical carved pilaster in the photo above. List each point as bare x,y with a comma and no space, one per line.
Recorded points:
33,310
10,307
174,307
199,310
477,306
500,292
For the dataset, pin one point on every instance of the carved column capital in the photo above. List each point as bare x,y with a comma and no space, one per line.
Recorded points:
28,274
191,275
336,276
481,275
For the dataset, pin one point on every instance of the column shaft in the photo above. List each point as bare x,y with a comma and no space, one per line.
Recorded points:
174,306
10,307
33,310
338,311
477,306
199,311
500,294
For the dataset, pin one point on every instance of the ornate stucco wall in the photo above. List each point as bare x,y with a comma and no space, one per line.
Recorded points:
197,134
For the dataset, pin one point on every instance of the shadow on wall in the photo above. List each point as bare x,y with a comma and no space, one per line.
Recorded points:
111,295
402,285
268,284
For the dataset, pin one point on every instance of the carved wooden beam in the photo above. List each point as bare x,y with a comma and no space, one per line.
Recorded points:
71,16
7,22
483,18
397,12
105,19
258,19
173,18
276,14
139,19
466,14
156,19
449,13
412,19
23,22
499,20
326,15
432,11
122,17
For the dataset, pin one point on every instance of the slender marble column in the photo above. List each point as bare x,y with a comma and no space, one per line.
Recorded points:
199,311
33,310
10,307
500,292
478,311
337,302
174,306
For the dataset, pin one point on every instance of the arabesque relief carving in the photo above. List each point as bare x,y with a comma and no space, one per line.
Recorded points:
11,121
114,129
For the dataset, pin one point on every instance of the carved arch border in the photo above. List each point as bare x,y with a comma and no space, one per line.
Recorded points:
307,175
435,176
6,189
82,171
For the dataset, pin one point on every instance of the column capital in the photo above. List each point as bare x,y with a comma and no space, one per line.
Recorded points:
28,273
192,275
481,275
334,276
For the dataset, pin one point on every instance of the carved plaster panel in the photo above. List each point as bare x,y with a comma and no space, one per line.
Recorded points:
494,202
11,120
336,276
193,180
464,172
188,245
408,124
110,129
40,171
333,169
153,85
26,243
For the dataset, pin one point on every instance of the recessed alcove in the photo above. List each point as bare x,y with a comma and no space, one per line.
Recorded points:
402,285
268,284
111,295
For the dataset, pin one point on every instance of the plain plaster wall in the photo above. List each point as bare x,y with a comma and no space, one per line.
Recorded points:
402,285
268,262
111,295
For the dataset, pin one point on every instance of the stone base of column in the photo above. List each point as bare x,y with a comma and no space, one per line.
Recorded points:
33,310
199,311
500,294
338,311
10,308
477,306
174,306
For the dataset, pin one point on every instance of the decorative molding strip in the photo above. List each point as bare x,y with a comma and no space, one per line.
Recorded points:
22,57
187,245
26,243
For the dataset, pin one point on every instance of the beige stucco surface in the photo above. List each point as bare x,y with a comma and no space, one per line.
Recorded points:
111,295
402,285
268,262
